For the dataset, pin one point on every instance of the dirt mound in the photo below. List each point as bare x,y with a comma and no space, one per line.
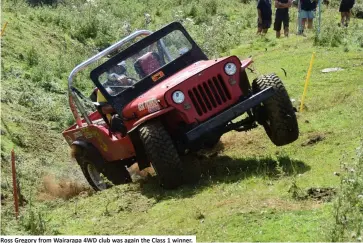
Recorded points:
64,188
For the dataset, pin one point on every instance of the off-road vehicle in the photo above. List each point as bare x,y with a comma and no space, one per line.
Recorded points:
159,98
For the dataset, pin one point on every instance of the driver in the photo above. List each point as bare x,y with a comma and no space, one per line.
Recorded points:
115,79
117,83
114,85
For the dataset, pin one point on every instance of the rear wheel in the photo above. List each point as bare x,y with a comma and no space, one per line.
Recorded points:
95,169
162,153
277,114
94,177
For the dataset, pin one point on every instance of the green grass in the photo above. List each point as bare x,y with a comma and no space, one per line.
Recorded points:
245,194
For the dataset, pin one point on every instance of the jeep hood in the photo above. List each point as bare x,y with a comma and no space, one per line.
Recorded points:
158,91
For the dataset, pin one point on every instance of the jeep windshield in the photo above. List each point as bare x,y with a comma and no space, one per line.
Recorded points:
144,64
139,64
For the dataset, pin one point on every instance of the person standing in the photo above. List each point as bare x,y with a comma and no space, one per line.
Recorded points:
307,14
282,17
344,9
264,16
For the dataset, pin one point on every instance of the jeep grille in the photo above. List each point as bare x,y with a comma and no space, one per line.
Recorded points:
209,94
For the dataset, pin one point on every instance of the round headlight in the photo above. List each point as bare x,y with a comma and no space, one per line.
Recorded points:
230,68
178,97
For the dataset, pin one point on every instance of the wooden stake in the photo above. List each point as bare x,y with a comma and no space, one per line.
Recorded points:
15,188
3,29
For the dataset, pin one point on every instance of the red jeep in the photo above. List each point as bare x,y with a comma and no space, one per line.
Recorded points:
162,98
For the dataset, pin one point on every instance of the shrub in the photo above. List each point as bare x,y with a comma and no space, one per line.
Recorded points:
211,7
34,222
32,57
85,30
43,2
330,36
358,10
349,204
27,99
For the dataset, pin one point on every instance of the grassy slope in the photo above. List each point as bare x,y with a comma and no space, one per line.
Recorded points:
244,195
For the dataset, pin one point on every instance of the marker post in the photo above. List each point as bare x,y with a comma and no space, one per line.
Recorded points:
307,82
15,188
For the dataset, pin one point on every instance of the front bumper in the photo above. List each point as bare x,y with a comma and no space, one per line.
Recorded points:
228,115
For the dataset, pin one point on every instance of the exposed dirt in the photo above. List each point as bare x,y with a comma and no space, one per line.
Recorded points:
137,174
64,188
313,139
278,204
286,205
321,194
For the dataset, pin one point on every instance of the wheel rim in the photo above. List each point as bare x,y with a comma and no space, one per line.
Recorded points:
96,177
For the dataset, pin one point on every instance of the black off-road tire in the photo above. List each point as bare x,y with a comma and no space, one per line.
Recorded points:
162,153
115,172
278,115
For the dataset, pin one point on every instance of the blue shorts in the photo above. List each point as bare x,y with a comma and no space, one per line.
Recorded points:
307,14
266,24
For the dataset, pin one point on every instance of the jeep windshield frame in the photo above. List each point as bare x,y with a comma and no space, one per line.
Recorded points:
119,100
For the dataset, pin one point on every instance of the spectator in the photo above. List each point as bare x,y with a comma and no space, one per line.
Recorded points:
282,16
264,16
307,13
344,9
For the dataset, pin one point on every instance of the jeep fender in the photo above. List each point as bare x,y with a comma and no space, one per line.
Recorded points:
151,116
246,62
99,163
82,144
244,83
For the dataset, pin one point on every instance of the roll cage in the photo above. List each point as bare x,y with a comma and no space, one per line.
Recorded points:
74,102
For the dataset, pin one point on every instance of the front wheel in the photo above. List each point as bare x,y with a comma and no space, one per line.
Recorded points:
277,114
162,153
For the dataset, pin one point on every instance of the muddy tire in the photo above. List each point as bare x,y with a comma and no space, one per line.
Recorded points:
162,153
95,169
277,114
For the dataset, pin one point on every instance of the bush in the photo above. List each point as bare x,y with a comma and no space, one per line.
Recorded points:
330,36
34,222
43,2
85,30
211,7
32,57
349,205
358,10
